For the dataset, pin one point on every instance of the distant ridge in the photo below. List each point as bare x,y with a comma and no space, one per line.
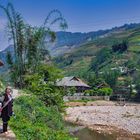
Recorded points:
67,41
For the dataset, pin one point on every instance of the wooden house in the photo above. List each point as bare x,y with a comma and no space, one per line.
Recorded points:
69,82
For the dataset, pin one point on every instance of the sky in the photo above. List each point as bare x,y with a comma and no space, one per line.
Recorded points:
81,15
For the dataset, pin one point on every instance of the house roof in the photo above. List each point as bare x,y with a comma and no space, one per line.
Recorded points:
1,63
71,82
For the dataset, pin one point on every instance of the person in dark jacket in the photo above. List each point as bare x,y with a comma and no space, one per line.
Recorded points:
6,110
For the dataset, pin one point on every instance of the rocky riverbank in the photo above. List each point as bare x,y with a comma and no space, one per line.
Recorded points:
121,119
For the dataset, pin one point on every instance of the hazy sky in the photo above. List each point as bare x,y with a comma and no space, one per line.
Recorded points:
81,15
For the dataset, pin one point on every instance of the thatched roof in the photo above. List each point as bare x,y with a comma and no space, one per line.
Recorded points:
71,82
1,63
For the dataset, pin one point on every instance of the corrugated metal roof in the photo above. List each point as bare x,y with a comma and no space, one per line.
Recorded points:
71,82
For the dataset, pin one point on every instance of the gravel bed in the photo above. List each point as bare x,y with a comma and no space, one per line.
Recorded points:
123,117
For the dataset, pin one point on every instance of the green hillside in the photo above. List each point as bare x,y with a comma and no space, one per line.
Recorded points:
98,60
79,59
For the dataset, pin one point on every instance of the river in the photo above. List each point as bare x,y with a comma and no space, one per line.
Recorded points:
83,133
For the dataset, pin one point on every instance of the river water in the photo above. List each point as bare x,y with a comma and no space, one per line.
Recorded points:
86,134
83,133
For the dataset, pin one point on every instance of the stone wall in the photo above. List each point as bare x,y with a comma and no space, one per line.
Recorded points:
70,98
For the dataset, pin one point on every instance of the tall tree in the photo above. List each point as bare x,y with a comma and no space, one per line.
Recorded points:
29,42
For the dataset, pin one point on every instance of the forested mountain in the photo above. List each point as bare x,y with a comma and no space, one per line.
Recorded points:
113,58
79,60
83,46
66,41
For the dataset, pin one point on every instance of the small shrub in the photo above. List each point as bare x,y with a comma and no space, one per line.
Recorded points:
91,92
120,47
105,91
71,91
86,93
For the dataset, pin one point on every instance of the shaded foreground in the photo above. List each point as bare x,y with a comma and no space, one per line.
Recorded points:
84,133
87,134
123,121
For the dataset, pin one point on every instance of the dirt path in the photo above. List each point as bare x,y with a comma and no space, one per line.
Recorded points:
15,93
10,135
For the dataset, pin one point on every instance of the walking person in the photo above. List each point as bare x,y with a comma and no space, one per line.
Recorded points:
6,110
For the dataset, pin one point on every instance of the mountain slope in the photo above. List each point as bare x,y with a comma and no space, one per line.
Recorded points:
66,41
75,50
78,60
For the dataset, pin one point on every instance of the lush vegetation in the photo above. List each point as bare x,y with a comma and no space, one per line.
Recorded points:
121,47
107,62
102,58
42,84
33,120
112,60
38,112
2,87
29,42
105,91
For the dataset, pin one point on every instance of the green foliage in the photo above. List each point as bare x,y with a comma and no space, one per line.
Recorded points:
92,92
9,58
135,49
29,42
46,90
97,82
105,91
71,62
137,83
45,73
121,47
111,77
131,64
2,87
71,91
34,121
102,56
